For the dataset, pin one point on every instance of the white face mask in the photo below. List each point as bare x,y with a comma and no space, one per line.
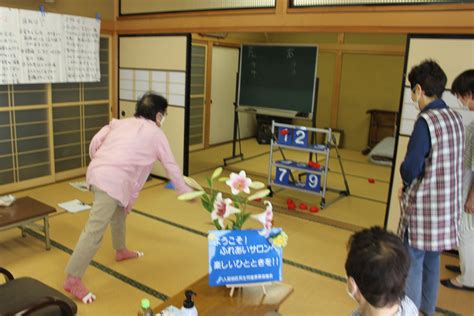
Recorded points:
162,120
351,295
417,99
462,105
415,103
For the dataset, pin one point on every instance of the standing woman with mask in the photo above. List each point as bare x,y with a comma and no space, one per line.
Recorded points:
122,156
463,89
431,197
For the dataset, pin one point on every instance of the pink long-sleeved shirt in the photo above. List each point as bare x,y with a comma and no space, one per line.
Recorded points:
122,156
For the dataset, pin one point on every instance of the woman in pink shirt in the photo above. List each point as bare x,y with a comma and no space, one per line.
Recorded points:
122,156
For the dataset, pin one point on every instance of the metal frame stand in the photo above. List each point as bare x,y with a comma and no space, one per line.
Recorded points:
312,150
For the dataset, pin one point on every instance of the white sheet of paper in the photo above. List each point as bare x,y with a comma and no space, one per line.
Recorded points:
74,206
7,200
81,186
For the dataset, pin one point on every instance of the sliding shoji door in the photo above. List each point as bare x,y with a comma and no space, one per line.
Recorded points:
25,154
80,110
158,63
198,96
45,129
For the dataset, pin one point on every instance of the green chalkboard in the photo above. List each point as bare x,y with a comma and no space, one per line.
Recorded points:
278,77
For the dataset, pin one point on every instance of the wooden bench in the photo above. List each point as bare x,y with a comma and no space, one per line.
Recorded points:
215,301
25,212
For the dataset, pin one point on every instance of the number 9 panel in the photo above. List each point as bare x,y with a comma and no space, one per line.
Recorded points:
313,182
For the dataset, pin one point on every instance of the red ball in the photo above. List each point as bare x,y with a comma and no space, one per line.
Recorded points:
314,209
371,180
303,206
284,132
291,207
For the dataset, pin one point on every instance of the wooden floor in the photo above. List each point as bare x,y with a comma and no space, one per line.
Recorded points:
173,236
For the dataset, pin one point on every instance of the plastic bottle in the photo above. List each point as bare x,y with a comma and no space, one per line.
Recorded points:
145,308
188,308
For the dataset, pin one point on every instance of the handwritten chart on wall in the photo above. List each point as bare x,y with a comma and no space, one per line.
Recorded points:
44,48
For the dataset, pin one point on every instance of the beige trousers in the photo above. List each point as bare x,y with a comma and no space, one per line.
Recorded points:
104,210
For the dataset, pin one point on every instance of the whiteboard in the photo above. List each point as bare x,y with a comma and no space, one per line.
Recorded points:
40,47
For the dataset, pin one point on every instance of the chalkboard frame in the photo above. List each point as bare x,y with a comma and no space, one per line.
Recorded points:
266,109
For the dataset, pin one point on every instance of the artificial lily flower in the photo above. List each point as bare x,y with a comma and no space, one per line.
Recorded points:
222,209
265,218
239,183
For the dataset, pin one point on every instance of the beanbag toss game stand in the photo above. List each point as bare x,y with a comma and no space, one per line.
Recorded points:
309,177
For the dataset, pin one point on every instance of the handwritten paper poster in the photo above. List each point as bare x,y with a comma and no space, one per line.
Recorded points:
81,48
40,47
9,46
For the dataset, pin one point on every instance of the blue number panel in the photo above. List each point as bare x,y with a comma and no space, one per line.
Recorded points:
300,137
313,182
282,176
285,136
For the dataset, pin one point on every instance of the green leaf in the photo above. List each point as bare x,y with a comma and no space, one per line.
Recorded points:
209,182
216,173
257,185
216,223
259,195
190,195
206,204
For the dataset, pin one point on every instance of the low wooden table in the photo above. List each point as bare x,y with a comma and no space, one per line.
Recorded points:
247,301
24,212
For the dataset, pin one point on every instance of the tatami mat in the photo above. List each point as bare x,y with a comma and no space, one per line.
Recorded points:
173,236
28,257
351,210
201,160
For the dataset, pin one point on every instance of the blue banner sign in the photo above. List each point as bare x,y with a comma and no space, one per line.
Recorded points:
243,257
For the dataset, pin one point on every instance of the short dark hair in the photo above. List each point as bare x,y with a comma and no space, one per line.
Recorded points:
463,85
149,105
430,77
379,263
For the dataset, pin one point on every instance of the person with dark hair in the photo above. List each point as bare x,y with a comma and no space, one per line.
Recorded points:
377,267
122,156
463,89
431,196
